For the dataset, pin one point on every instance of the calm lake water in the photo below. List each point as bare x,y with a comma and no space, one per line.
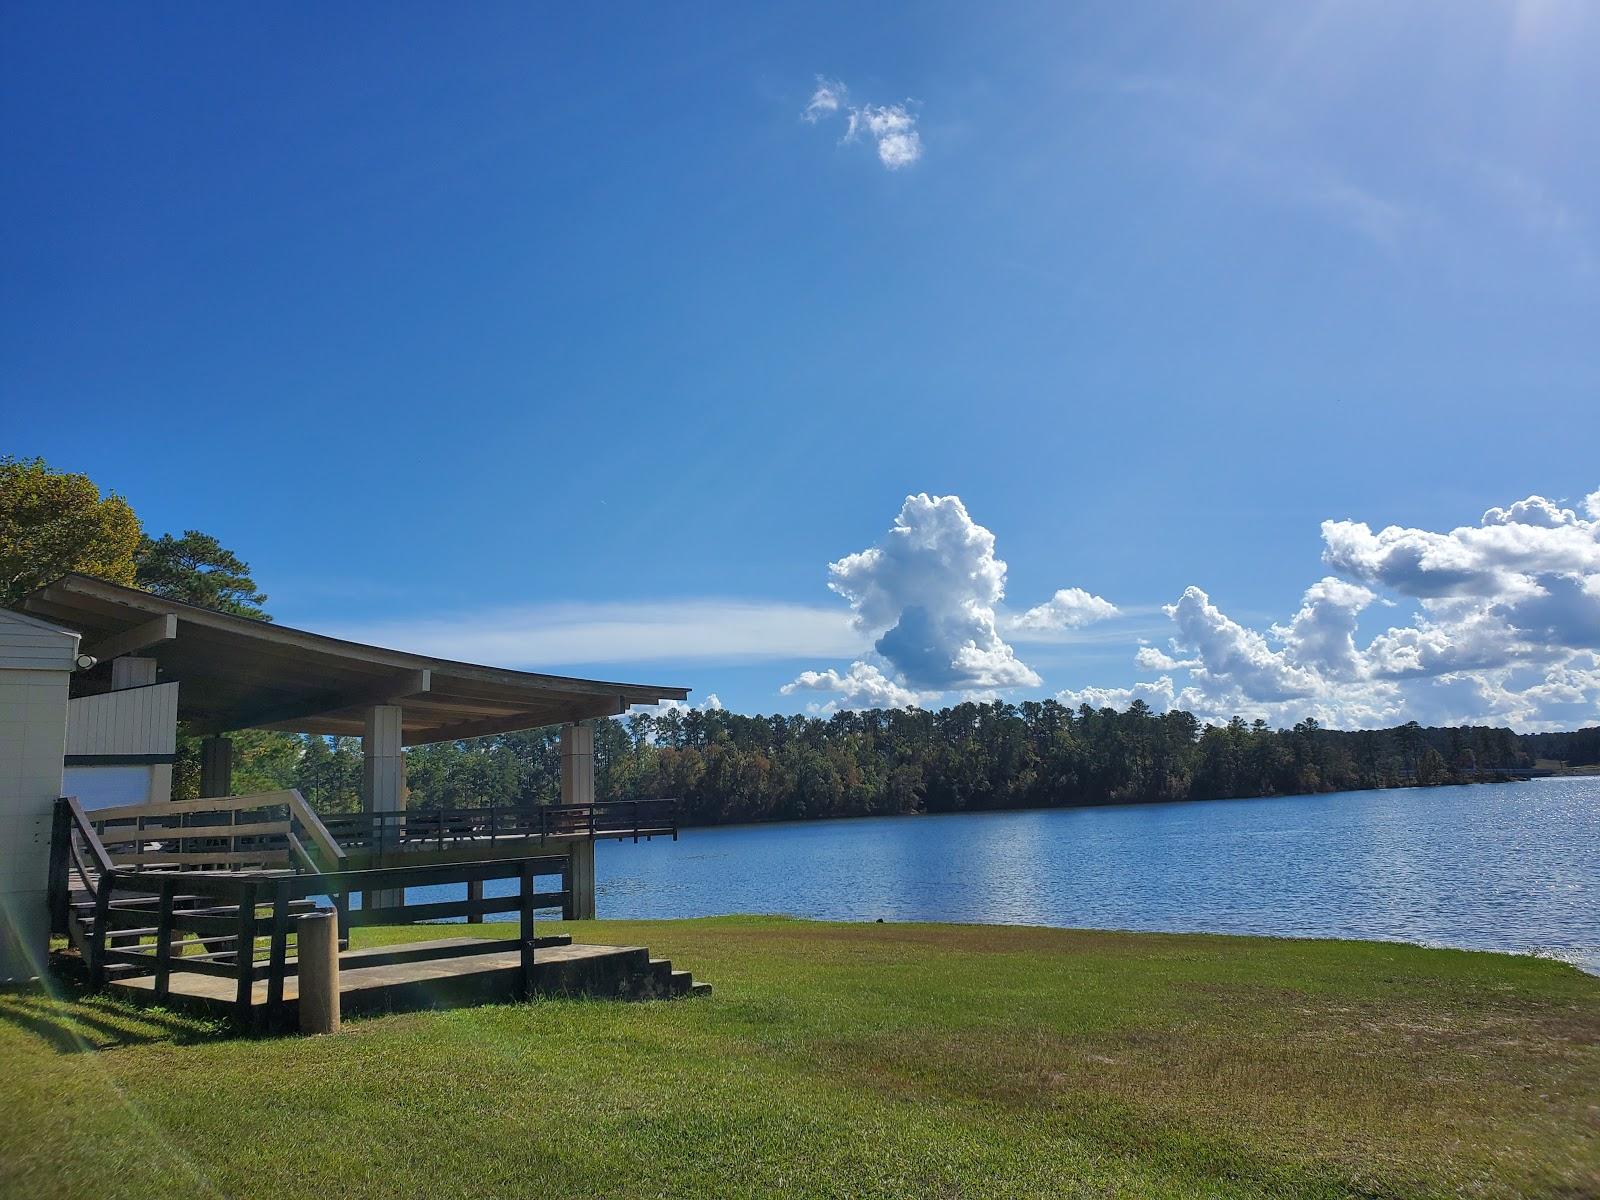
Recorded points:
1512,866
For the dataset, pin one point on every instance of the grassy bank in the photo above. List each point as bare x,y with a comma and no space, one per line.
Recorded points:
853,1060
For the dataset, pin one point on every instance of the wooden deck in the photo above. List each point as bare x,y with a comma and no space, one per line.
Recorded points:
436,974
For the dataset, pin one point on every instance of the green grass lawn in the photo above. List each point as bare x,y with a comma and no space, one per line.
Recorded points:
854,1060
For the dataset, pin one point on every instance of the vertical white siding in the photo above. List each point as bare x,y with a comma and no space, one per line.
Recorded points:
136,721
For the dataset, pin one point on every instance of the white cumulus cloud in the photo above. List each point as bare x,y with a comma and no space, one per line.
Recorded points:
891,128
928,592
1506,630
1069,608
862,686
928,595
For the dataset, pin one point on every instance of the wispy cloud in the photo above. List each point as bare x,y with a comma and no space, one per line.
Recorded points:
891,128
1536,209
825,101
1258,147
678,631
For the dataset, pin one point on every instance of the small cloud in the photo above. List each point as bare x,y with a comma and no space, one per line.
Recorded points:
825,101
863,686
892,128
1069,608
1148,658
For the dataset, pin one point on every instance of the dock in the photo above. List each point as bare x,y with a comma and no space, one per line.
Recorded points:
442,973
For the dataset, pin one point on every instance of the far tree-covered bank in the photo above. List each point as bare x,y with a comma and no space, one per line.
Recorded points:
728,768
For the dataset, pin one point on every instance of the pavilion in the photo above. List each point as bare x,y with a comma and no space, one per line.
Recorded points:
101,676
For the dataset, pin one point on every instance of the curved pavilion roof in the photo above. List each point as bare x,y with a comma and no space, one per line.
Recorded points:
237,673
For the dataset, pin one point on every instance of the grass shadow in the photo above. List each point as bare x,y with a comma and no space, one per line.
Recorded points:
63,1013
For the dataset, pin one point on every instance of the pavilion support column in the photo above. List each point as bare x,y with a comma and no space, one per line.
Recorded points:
577,787
216,767
131,672
383,779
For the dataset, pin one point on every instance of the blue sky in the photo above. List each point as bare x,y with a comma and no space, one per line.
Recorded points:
564,339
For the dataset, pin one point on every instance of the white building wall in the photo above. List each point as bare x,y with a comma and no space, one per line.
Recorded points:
36,662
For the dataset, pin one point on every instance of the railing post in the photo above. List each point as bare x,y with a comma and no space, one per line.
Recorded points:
568,910
316,934
341,905
97,943
279,964
244,954
60,856
526,939
163,982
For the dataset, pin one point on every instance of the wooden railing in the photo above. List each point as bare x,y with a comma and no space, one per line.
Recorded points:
231,832
240,926
443,827
76,852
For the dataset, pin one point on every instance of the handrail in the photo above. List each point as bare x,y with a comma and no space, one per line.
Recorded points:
606,818
300,811
81,825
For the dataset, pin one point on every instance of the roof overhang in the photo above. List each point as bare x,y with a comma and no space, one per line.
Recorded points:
243,674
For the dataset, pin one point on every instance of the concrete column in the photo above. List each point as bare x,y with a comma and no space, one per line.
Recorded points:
383,763
317,939
216,767
383,779
577,787
130,672
36,661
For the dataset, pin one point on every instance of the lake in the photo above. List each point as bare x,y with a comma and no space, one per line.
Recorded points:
1510,866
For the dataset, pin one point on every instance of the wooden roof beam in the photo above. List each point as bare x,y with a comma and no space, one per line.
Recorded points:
517,722
160,629
390,690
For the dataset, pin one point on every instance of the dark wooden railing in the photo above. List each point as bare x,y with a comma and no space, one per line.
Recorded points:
76,852
239,926
442,827
132,910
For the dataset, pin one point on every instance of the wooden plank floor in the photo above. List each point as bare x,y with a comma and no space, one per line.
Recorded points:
435,981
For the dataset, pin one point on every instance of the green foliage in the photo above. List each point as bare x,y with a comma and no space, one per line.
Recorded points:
725,767
198,569
52,522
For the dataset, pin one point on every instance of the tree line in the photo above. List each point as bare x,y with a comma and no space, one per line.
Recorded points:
725,767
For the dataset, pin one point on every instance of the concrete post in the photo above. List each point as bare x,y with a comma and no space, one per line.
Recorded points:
216,767
317,935
383,762
383,778
577,787
36,662
130,672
